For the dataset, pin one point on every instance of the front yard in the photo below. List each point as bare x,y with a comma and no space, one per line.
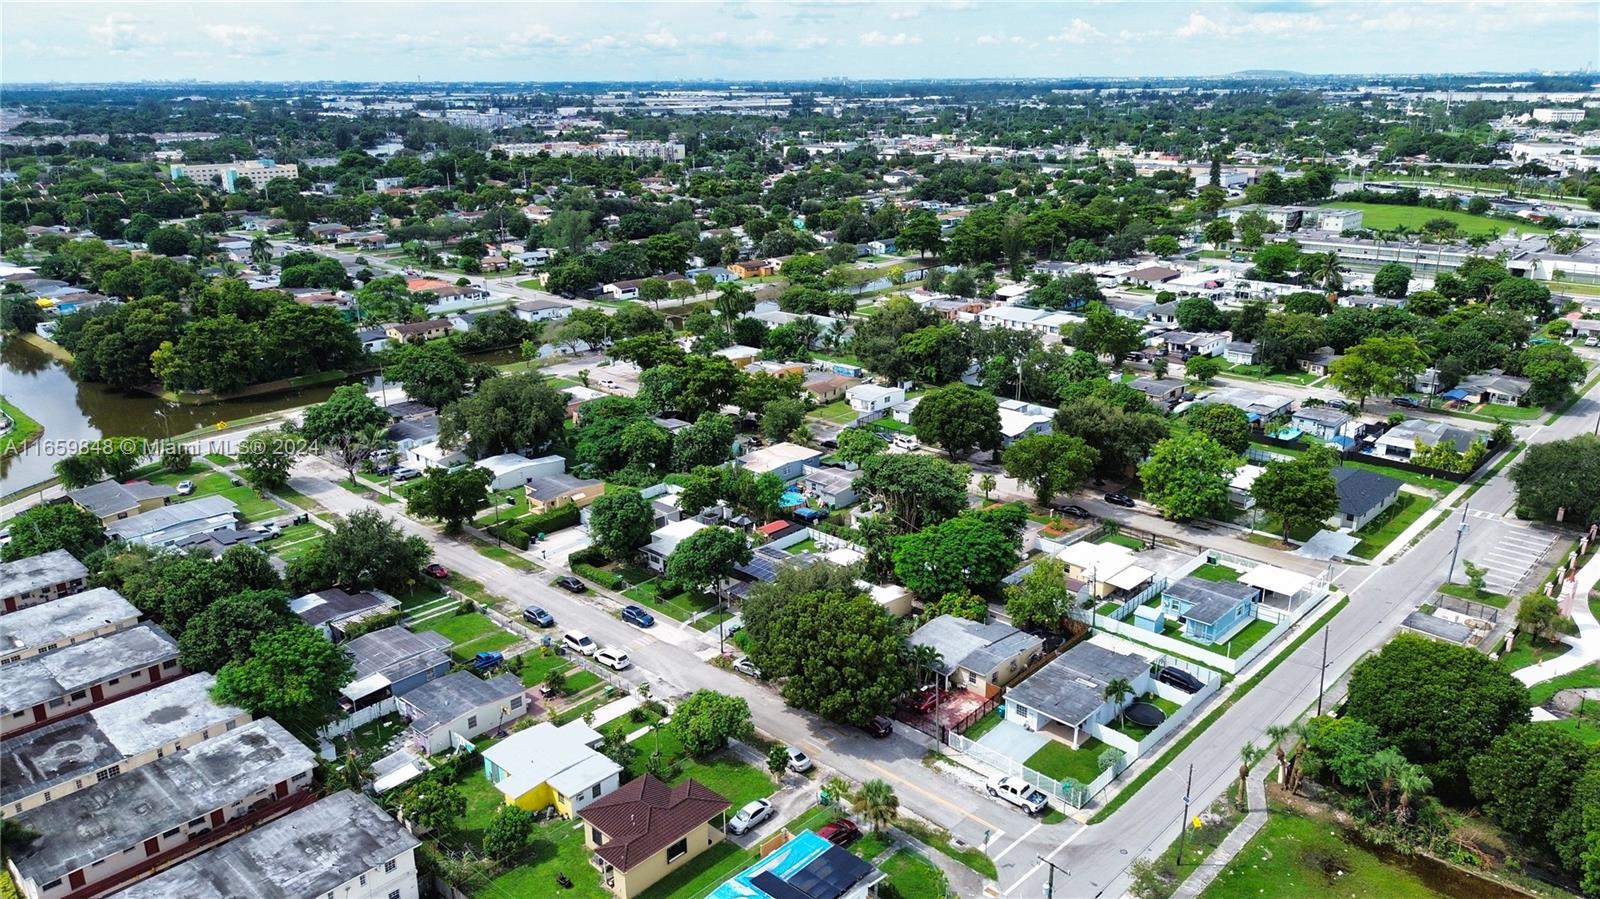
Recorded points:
252,505
1390,523
1211,571
1057,761
680,606
469,634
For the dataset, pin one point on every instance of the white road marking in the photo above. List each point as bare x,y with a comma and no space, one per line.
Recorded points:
1002,853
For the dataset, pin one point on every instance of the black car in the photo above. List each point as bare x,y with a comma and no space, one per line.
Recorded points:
538,617
571,584
1120,499
879,726
1074,511
1181,679
1404,402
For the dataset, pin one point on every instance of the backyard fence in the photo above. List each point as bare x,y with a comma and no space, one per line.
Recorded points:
359,717
1061,792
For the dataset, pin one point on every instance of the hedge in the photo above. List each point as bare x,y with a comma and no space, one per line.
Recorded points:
589,555
563,516
604,578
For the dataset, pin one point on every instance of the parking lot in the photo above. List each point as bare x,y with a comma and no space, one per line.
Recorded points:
1510,552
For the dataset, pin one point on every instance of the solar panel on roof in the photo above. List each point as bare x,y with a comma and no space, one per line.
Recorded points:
830,875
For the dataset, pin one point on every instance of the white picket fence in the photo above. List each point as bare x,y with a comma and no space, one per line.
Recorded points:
359,717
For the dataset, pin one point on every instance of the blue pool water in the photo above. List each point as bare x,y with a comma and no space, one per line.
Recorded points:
791,498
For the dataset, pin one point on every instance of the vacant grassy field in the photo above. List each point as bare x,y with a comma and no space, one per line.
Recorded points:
1383,217
1296,856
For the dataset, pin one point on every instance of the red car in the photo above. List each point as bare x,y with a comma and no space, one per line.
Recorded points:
434,569
926,701
842,832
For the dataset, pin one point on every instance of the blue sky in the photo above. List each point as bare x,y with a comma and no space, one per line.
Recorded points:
225,41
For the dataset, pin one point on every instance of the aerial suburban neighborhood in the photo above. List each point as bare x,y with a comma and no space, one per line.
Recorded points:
806,451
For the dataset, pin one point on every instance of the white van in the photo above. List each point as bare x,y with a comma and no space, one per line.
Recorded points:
580,643
906,442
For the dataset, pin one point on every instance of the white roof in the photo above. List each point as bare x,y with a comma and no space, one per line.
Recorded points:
1014,290
776,456
872,391
365,686
679,530
1104,559
1245,477
1129,578
545,753
738,351
505,463
1276,580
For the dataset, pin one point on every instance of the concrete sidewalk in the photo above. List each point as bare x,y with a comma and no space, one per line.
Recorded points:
1586,645
1233,844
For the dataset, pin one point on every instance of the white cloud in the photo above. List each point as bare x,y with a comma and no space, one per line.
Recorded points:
989,39
122,33
661,38
879,39
1076,32
809,42
1200,26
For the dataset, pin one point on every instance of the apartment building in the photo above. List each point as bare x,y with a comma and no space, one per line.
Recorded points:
259,171
40,579
73,619
69,681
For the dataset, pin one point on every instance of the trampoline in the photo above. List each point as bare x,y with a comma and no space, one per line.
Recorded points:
1145,714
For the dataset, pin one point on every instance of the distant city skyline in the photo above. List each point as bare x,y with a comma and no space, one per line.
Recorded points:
621,41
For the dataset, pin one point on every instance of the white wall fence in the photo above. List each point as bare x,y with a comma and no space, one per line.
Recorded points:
1063,793
1187,704
359,717
1190,650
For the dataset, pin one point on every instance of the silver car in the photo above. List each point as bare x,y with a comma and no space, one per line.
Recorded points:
752,814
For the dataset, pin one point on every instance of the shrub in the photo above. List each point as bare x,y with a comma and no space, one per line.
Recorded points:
606,579
564,516
589,555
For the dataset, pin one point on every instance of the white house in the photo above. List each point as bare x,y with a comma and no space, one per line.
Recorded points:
1019,419
786,460
665,539
541,310
514,469
461,706
873,400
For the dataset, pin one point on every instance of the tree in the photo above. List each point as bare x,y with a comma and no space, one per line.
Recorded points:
921,232
958,418
1121,437
1163,245
1523,295
1117,690
1050,463
1301,491
987,483
1218,232
1200,314
1550,477
47,528
169,241
1551,369
449,496
706,720
709,441
915,490
268,455
78,470
1438,703
225,631
620,522
1377,365
877,803
1227,425
966,552
1202,369
365,550
515,413
20,313
857,445
1575,834
704,559
1541,616
961,604
1040,599
435,805
292,674
507,834
1106,333
1392,280
1528,773
347,426
1187,476
780,418
385,299
777,762
432,373
1249,756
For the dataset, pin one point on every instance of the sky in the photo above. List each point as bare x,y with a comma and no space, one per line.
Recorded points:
620,41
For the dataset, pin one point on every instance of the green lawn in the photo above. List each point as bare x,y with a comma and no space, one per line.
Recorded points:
471,633
1139,731
681,606
1529,651
1585,729
837,412
252,505
984,725
556,848
971,856
737,781
704,873
505,557
1415,479
1295,856
871,845
1588,676
1211,571
219,459
1384,217
1390,523
1122,540
536,666
808,545
1252,634
1057,762
913,877
24,430
1465,591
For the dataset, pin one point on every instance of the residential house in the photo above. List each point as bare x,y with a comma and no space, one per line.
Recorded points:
739,354
1319,360
461,706
373,339
646,830
418,332
1151,275
1240,352
752,268
112,501
870,401
65,622
65,756
665,539
328,231
343,846
883,247
546,492
391,662
833,488
718,274
432,454
375,240
117,831
215,543
1321,422
494,263
1188,344
1491,386
1363,496
541,310
548,766
40,579
169,524
1210,611
805,866
1066,697
77,678
1164,392
333,610
977,657
1013,293
1241,487
1258,406
509,470
407,433
1019,419
825,388
786,460
1400,441
1162,314
1105,569
1368,301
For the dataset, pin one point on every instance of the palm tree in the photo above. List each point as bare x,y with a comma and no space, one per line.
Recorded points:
986,483
261,253
807,329
1411,783
731,302
835,338
1118,690
877,803
1249,755
927,658
1327,271
1276,733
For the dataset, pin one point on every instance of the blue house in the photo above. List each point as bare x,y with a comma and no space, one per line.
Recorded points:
1210,611
392,662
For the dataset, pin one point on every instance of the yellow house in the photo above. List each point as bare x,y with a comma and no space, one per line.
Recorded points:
646,830
1107,568
547,765
546,492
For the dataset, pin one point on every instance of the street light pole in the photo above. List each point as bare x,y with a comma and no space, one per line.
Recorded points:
1050,878
1183,826
1322,671
1461,528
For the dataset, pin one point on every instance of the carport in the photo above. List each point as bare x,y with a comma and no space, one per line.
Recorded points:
1280,587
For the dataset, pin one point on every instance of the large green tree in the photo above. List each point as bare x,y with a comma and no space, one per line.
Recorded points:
292,674
915,490
346,426
1378,365
1121,437
1527,774
1050,463
451,497
1300,491
46,528
1555,476
516,413
1227,425
1187,476
966,552
225,631
704,559
706,720
959,419
620,522
1551,369
366,549
268,455
1040,598
1106,333
432,373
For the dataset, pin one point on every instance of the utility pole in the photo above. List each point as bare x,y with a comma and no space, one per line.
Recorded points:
1050,878
1322,672
1461,528
1183,828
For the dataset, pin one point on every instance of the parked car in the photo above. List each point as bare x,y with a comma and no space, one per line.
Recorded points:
637,617
1019,793
842,832
1074,511
571,584
1181,679
906,442
615,659
1404,402
483,661
753,813
268,530
799,762
381,468
405,473
434,569
538,617
744,666
925,701
580,643
879,726
185,488
1120,499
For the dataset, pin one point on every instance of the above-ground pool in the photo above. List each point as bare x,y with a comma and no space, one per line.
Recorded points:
1145,714
791,498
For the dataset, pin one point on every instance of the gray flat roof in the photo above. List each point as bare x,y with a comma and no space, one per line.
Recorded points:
108,817
395,652
444,700
308,852
26,575
166,517
549,486
66,617
1072,685
110,497
1210,599
972,645
44,677
334,604
82,744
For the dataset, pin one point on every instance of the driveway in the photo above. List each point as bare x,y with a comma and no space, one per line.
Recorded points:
1013,741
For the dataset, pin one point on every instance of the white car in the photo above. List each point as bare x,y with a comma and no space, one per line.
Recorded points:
743,665
185,488
752,814
906,442
799,762
580,643
1019,793
614,659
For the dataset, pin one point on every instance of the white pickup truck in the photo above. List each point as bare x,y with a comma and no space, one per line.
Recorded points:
1019,793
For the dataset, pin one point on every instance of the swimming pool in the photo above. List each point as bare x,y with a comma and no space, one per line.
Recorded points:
791,498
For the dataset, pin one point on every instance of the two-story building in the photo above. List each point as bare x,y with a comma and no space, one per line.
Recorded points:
64,622
645,830
871,401
77,678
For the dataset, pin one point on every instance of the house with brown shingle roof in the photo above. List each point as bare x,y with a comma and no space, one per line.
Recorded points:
644,830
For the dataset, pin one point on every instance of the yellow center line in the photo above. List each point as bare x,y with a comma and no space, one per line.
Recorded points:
936,797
